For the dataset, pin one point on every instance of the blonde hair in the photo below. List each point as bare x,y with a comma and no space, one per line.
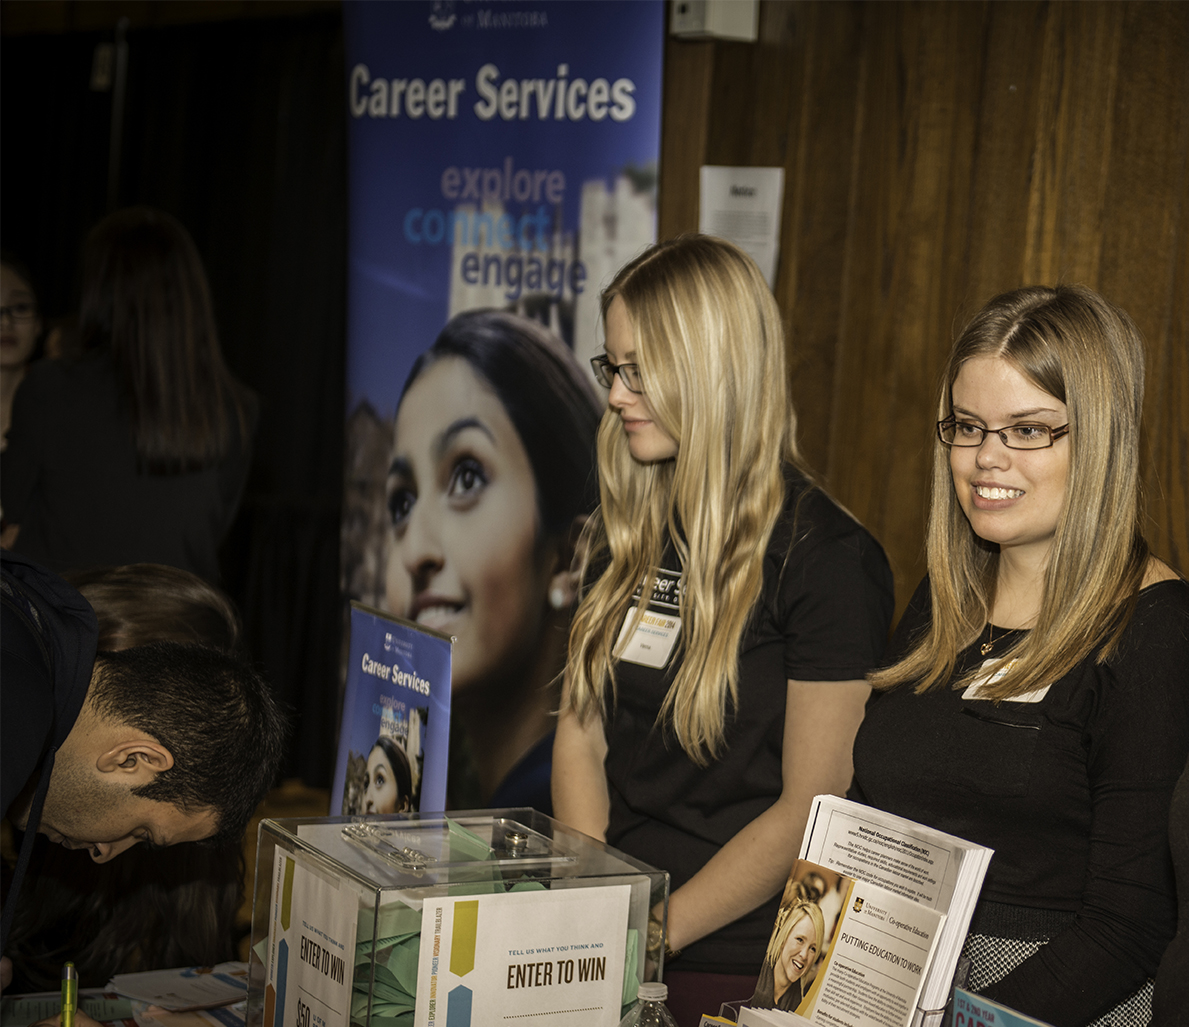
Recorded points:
1077,347
710,350
786,920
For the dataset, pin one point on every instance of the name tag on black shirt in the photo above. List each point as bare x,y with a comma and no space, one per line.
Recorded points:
651,644
655,637
990,676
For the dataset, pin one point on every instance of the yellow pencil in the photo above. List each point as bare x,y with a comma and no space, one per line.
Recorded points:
69,994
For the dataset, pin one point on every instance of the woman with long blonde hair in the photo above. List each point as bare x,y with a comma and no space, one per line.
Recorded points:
730,609
1038,698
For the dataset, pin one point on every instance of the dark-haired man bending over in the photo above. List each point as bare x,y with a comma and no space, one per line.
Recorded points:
161,744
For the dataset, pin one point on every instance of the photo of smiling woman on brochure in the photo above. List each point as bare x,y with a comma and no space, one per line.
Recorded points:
804,930
792,956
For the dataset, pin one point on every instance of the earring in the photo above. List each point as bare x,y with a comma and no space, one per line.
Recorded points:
557,598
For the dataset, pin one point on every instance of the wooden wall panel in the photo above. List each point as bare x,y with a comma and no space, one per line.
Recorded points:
907,222
935,155
813,261
1079,67
687,81
1005,135
1145,252
813,140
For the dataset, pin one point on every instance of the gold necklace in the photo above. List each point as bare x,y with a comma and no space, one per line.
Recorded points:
989,644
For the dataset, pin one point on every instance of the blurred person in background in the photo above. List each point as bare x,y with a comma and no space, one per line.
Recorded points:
20,328
135,450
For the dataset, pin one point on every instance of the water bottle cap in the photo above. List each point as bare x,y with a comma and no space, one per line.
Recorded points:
653,992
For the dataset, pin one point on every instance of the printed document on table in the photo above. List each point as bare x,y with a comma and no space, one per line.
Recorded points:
873,953
907,858
192,987
929,867
21,1010
877,963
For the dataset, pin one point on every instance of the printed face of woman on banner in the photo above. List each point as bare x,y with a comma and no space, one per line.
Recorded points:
388,782
465,558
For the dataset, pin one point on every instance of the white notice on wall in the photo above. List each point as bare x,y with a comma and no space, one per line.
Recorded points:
743,205
529,958
311,947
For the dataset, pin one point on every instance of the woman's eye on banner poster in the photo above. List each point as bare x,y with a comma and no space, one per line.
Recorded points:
502,168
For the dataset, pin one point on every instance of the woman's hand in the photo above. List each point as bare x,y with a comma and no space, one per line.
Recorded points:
820,721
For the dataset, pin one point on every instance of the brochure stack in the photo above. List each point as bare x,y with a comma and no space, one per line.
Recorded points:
871,924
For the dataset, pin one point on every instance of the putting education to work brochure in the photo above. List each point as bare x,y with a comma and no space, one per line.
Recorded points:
871,923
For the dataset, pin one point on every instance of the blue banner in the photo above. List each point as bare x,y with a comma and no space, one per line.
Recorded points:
503,155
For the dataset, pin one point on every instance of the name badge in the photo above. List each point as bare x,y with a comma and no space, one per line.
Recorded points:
975,689
651,644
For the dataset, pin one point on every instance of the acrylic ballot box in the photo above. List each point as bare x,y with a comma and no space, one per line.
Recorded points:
445,920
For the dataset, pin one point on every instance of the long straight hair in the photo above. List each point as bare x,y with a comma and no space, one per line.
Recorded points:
710,349
1071,343
146,301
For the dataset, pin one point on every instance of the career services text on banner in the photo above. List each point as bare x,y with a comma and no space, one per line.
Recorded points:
502,154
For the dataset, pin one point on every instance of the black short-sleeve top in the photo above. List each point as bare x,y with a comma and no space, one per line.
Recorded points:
823,615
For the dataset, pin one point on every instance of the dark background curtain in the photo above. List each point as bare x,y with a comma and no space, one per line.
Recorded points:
238,129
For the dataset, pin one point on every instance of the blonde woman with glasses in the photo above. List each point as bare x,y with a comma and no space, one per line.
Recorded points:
1038,695
698,722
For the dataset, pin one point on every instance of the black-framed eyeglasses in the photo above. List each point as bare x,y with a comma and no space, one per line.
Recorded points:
1025,435
605,372
23,311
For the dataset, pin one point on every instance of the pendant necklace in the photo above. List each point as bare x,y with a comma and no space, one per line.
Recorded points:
989,644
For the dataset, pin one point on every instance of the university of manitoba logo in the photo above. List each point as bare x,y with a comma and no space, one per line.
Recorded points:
441,14
859,904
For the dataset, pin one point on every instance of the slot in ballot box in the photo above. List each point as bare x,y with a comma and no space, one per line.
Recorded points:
445,920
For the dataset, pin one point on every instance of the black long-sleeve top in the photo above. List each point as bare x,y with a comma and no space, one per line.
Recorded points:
1071,791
